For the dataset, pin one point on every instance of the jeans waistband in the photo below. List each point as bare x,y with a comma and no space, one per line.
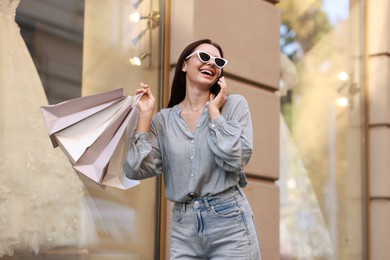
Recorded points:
212,199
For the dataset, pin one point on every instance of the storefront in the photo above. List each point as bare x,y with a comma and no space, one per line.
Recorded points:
323,135
315,74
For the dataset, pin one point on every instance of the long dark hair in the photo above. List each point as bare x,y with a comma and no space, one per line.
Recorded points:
178,90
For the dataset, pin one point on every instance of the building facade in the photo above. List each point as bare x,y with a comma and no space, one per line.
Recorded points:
316,76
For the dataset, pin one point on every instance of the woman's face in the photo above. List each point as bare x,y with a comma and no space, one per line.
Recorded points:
200,73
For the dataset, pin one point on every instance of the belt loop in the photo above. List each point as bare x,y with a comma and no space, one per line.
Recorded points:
240,190
184,206
206,202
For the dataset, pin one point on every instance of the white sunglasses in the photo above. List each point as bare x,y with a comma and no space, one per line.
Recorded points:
206,58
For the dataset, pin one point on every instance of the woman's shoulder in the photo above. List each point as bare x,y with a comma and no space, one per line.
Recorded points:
236,99
164,113
235,103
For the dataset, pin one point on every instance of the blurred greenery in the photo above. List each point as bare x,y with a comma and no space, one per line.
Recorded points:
301,30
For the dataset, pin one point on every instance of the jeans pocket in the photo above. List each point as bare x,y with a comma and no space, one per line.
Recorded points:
227,209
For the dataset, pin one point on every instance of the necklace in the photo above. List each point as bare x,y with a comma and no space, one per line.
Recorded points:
193,110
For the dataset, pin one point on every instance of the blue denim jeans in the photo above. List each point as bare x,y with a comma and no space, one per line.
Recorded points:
216,227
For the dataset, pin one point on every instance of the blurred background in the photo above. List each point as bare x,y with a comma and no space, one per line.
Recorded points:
315,73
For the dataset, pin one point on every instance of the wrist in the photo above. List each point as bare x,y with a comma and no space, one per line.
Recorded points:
143,124
146,113
214,113
144,121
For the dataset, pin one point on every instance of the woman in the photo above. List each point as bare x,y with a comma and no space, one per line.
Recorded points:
201,143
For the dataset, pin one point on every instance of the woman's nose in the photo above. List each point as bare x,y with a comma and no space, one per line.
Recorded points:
211,61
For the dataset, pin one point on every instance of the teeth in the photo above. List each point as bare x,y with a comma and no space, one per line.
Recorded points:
207,72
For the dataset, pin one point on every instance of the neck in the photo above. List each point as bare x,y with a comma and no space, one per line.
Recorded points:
193,106
194,103
196,97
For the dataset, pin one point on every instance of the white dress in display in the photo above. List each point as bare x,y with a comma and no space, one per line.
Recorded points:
42,200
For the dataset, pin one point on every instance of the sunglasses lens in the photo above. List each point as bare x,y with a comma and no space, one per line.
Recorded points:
219,62
204,57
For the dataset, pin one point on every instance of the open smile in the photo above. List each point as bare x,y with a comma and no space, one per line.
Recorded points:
207,72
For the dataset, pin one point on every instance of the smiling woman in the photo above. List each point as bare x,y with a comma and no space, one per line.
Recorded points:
200,144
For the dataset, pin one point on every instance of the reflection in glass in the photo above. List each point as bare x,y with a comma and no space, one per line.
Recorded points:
321,131
128,218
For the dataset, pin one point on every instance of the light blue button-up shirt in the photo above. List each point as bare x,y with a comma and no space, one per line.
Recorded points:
205,162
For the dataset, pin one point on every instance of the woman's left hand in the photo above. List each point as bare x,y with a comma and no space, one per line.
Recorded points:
216,102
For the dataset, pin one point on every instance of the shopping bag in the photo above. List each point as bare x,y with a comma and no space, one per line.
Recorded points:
77,138
60,116
115,175
91,130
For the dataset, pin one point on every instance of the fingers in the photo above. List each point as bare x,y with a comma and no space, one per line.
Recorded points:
223,92
217,101
147,102
212,96
143,85
222,84
145,89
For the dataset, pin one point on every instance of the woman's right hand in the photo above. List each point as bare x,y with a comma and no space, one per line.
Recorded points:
146,106
147,103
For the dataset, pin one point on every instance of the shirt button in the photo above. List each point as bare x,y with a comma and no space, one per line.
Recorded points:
192,141
192,175
192,157
212,125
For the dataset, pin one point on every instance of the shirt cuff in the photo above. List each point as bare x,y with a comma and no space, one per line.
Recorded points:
141,136
217,122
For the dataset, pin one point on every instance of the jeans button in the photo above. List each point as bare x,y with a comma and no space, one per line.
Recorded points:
196,203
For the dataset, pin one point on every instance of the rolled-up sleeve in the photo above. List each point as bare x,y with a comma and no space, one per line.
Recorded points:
143,158
231,136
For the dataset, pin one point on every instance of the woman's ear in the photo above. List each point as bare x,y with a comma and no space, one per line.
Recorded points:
184,67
